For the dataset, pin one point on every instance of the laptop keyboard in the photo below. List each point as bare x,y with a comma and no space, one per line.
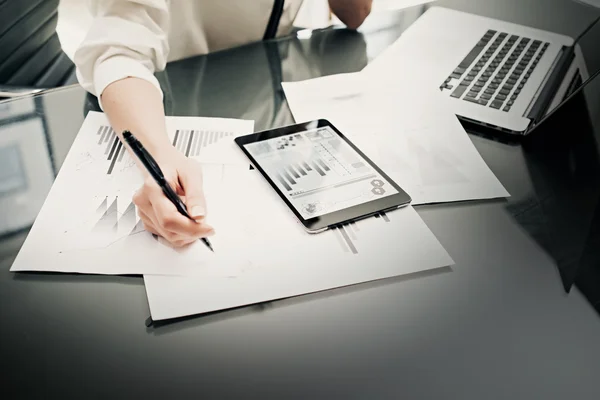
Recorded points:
496,70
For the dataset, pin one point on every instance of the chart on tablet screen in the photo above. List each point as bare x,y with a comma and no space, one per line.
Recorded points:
319,172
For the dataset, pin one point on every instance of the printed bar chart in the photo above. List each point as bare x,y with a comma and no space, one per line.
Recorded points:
348,234
191,142
114,150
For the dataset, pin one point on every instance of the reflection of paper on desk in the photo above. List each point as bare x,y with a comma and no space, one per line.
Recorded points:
404,130
285,261
88,223
593,3
25,172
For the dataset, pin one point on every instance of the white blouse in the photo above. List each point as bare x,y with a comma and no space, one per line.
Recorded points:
135,38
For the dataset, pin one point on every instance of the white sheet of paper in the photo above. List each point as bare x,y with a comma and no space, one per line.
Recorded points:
285,260
384,5
88,223
405,130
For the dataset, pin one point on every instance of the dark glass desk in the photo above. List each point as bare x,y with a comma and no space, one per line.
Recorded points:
496,325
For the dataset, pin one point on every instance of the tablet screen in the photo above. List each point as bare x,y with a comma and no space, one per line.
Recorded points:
319,172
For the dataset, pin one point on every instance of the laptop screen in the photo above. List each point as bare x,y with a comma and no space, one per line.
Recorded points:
585,66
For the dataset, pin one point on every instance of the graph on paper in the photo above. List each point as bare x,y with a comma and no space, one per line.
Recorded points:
192,142
116,220
348,234
113,147
115,217
319,172
188,141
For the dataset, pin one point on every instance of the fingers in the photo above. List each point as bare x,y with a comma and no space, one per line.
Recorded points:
160,217
171,220
190,179
174,238
149,225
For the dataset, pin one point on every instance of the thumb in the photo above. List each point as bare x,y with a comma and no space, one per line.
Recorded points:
191,182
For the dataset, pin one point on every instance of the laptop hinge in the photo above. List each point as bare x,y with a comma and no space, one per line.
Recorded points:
551,84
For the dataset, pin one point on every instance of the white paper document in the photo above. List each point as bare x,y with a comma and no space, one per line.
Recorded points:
88,223
285,260
385,5
404,129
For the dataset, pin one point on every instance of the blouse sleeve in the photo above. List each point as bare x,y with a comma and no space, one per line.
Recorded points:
128,38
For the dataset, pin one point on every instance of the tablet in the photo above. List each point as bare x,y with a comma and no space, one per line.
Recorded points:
322,177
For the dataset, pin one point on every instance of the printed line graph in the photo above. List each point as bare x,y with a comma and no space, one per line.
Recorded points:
115,223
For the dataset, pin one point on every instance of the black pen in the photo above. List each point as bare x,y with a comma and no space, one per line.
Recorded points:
155,171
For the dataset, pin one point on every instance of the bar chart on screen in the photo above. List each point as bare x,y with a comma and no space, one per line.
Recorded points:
310,163
288,175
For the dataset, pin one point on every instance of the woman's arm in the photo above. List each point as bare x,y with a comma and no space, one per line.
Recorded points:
126,44
135,104
126,39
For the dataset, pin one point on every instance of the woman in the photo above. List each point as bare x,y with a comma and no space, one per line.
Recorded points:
131,39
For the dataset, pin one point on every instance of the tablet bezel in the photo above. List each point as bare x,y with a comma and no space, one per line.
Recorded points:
336,218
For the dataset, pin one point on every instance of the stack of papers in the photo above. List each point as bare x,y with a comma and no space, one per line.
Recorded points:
405,130
88,223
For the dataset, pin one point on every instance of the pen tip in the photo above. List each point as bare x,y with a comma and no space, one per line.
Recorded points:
208,244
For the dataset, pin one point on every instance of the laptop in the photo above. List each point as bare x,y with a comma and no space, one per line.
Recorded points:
497,74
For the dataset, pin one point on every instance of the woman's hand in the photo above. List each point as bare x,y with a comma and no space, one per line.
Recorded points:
157,212
136,105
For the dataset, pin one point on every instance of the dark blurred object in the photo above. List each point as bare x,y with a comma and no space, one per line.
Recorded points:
563,159
203,85
31,56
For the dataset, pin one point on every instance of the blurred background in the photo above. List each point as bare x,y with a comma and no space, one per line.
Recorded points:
74,18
